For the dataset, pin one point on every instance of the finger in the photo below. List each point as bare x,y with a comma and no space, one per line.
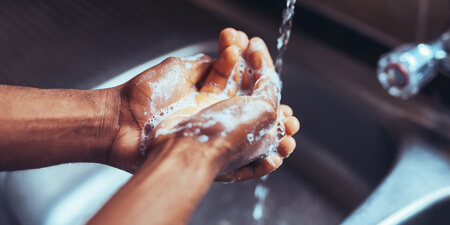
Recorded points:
292,125
286,146
228,177
254,63
267,165
229,37
256,44
197,67
267,88
259,59
253,170
204,100
287,110
267,84
226,65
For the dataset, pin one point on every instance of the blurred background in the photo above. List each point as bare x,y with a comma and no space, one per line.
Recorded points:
363,156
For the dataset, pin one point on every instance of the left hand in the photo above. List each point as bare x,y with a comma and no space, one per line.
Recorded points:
145,95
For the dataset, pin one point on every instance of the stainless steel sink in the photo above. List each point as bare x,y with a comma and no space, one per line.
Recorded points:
436,214
353,136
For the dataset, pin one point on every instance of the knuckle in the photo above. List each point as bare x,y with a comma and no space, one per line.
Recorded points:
172,60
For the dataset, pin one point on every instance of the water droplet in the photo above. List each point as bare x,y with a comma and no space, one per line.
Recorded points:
203,138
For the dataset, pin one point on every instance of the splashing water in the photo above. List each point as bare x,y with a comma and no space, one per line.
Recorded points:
285,33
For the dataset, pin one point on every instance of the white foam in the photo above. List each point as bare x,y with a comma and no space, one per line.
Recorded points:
272,149
209,124
159,115
250,138
193,58
229,118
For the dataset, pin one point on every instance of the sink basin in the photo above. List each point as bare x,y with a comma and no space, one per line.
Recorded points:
436,214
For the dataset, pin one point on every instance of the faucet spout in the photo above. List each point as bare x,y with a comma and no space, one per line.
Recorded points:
406,69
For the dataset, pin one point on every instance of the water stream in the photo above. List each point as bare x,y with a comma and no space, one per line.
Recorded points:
285,33
261,190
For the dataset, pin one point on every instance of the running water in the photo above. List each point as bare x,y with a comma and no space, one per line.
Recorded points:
285,33
261,190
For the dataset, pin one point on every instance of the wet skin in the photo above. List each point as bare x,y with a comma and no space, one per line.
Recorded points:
174,75
179,169
45,127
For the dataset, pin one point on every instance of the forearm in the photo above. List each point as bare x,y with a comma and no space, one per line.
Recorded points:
43,127
165,191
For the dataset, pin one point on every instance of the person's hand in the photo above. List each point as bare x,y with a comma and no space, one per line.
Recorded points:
145,96
248,127
193,128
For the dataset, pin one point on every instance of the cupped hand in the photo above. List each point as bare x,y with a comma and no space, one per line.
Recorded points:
235,114
145,96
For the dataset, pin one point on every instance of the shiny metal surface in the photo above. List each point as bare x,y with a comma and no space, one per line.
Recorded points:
418,182
352,133
405,70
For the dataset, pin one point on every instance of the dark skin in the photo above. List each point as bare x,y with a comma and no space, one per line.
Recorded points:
136,94
48,127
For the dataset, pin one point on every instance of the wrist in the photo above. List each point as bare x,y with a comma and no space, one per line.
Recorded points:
189,153
108,125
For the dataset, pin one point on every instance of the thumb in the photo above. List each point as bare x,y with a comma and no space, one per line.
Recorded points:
197,67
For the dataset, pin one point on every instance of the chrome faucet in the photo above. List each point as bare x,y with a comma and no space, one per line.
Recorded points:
406,69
